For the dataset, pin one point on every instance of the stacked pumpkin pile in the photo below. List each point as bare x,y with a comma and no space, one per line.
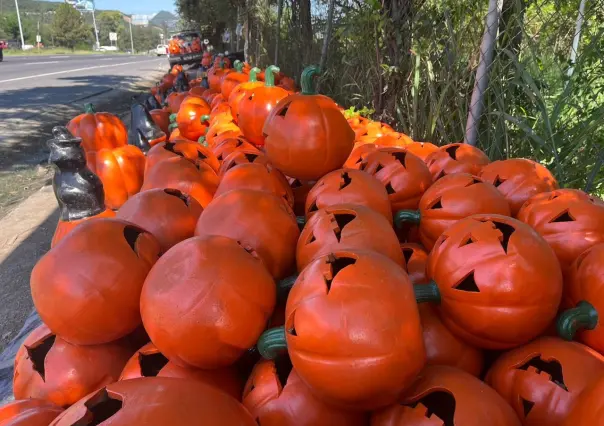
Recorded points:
423,288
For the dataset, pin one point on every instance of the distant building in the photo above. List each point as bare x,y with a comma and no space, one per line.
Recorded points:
81,4
141,20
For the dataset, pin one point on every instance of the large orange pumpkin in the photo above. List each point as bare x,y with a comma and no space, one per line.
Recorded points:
306,135
28,412
405,176
121,170
544,379
156,401
174,100
148,361
518,179
217,73
257,177
456,158
570,220
47,367
168,214
346,227
276,399
161,117
241,90
242,156
358,154
192,151
348,186
447,396
195,179
87,288
254,108
98,130
583,295
192,118
348,357
450,199
421,149
497,281
233,79
225,309
260,221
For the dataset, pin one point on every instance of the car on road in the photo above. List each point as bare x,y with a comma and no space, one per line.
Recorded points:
161,50
185,47
3,45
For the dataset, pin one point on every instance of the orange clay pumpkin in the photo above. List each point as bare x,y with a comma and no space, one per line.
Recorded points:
192,151
230,145
254,108
288,84
121,170
218,100
421,149
156,401
232,80
570,220
257,177
79,192
161,117
300,190
450,199
346,227
393,140
371,131
226,307
275,399
456,158
174,100
261,221
192,119
168,214
167,82
209,95
220,131
242,156
28,412
221,113
216,74
583,295
405,176
195,179
347,357
98,130
47,367
348,186
416,258
588,409
518,179
148,361
447,396
87,288
497,281
241,90
359,152
544,379
306,135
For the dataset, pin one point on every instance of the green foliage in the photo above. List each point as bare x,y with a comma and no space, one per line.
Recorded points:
69,28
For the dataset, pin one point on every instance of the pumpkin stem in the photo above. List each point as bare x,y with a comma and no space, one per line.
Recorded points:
272,343
173,126
89,109
269,77
406,216
202,140
253,74
173,118
427,292
284,286
205,118
238,65
301,221
221,65
582,317
307,80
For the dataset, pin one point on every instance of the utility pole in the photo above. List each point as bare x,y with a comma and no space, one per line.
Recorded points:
96,32
20,26
131,38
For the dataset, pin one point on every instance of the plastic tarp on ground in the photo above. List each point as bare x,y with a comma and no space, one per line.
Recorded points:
7,357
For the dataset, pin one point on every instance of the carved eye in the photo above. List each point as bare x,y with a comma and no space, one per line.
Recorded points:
99,408
151,364
337,264
452,151
400,156
37,354
440,404
346,180
552,369
498,181
283,111
131,234
565,216
467,284
436,205
342,219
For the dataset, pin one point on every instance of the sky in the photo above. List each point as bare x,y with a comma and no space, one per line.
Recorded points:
141,7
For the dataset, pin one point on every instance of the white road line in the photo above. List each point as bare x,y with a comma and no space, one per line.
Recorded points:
59,57
107,59
40,63
75,70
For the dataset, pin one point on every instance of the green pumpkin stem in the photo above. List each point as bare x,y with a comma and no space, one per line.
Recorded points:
89,109
582,317
427,292
205,118
269,76
172,126
254,74
202,140
301,221
238,66
284,286
272,343
173,118
406,216
307,80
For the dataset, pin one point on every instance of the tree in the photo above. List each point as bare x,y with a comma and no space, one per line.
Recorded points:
10,25
109,22
69,27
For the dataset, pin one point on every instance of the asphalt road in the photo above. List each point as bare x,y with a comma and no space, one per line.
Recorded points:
31,83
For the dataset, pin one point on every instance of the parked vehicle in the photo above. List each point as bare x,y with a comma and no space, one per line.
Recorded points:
161,50
185,48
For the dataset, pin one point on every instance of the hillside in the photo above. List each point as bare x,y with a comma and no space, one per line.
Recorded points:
29,6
